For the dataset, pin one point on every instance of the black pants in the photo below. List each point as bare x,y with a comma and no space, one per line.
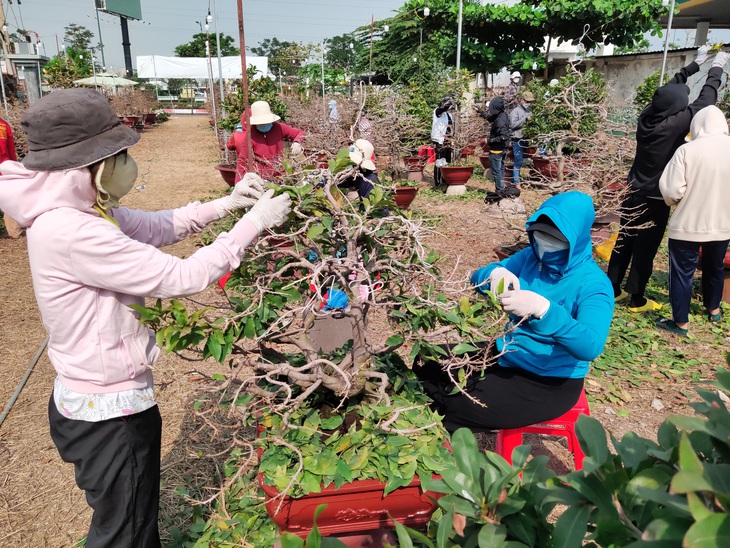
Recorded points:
117,464
445,152
637,246
683,259
513,397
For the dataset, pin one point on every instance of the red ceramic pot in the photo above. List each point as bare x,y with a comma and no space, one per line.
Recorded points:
228,172
404,196
456,175
468,150
506,250
150,118
415,163
484,160
545,167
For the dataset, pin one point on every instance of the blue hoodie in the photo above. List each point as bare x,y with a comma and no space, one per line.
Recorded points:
574,330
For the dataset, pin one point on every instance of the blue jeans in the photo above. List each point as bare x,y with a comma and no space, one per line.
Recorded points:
519,157
496,165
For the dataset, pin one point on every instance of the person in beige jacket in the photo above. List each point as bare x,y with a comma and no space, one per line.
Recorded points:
696,181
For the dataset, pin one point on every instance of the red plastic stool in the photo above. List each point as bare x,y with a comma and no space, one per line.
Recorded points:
509,438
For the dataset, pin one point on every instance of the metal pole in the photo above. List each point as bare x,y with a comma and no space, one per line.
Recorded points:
125,46
323,89
211,85
244,85
220,68
2,85
458,37
666,45
93,69
370,70
101,42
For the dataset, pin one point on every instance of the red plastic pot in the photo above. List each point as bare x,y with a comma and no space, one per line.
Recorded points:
404,196
352,508
456,175
415,163
468,150
228,172
150,118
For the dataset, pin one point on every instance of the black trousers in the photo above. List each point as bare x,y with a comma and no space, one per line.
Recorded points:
636,246
513,397
445,152
117,464
683,260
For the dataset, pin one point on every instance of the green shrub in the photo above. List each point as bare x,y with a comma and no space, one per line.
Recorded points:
645,90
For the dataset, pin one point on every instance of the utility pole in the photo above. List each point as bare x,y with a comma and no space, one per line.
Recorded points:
125,46
6,41
458,37
370,71
101,42
244,85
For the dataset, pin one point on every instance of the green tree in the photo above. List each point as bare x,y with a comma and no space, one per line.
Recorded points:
497,35
78,37
196,47
339,53
284,57
72,65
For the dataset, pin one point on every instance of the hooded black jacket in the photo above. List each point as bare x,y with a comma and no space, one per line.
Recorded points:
664,124
499,132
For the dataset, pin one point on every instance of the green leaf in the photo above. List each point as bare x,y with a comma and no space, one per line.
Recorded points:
394,340
315,231
463,348
290,540
405,534
500,286
592,439
571,527
712,532
492,535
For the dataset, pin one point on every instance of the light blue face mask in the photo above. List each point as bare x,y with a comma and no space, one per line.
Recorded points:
263,128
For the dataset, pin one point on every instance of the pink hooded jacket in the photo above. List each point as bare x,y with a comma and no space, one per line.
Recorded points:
87,271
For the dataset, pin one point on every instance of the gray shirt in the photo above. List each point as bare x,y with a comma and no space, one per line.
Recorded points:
517,119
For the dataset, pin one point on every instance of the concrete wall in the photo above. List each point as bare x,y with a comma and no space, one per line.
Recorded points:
624,73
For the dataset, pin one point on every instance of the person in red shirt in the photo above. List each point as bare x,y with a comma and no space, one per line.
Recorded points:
7,152
267,141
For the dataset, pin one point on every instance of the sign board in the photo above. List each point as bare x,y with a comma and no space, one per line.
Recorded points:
131,9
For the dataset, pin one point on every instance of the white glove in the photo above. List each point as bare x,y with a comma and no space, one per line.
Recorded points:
245,194
296,149
702,52
269,212
524,303
720,59
509,278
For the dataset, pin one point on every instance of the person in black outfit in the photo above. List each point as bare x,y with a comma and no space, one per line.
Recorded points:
499,136
661,130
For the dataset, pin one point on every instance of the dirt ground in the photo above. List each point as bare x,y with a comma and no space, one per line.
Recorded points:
40,505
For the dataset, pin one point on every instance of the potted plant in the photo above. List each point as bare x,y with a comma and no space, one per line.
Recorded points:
467,129
564,117
350,261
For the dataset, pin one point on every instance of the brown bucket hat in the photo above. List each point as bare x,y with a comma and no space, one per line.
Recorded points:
72,128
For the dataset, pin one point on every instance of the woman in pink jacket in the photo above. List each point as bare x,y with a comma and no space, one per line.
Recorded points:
90,260
267,141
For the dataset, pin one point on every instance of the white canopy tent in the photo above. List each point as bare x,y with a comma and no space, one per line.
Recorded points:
158,66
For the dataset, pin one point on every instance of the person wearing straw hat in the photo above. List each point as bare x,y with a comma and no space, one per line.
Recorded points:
91,261
267,141
361,153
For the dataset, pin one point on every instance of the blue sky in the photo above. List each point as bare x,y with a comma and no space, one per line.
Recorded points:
168,23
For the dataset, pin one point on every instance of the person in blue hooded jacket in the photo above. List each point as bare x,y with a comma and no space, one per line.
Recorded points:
560,305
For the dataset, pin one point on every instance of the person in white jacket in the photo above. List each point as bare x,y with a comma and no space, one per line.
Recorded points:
696,181
90,260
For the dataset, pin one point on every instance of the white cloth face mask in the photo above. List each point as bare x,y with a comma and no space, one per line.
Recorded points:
547,243
114,178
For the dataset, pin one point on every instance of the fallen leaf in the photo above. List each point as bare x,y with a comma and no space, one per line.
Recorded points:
459,523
